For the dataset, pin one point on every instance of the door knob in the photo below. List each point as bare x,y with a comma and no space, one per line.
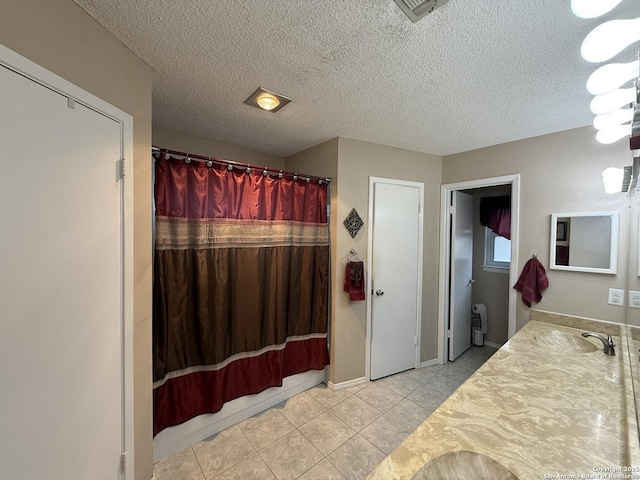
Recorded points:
379,293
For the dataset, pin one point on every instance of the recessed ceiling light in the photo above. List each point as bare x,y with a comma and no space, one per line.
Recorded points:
267,100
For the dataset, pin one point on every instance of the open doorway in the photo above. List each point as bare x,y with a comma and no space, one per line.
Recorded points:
481,283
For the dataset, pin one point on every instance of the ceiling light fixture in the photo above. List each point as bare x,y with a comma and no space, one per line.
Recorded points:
612,135
611,76
607,40
267,100
591,9
601,44
611,120
612,179
608,102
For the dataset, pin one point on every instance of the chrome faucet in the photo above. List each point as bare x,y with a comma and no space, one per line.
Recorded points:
606,342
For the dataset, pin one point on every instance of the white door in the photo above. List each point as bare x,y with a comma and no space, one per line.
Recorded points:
396,242
461,272
60,288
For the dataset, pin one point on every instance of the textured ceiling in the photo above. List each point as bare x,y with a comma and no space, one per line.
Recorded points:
469,75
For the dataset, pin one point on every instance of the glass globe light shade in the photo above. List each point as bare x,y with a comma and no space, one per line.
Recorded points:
591,8
611,76
612,179
612,135
267,102
607,40
608,102
613,119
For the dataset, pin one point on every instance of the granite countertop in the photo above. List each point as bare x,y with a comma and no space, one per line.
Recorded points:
535,410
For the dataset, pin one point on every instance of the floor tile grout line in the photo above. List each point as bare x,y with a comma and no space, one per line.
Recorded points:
199,464
469,367
326,457
235,464
333,464
266,464
339,419
296,429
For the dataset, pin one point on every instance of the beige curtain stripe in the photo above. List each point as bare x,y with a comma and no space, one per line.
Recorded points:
182,233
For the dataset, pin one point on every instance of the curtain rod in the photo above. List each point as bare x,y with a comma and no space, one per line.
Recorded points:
220,161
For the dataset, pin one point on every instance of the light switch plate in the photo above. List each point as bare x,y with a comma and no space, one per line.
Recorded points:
634,299
616,297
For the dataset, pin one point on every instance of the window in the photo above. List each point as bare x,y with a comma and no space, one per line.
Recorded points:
497,252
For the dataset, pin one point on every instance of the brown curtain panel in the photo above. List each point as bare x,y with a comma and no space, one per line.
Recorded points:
241,282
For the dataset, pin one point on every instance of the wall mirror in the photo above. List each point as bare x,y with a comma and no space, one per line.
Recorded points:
585,242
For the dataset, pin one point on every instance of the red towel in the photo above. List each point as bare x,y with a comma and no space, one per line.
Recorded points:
354,281
532,282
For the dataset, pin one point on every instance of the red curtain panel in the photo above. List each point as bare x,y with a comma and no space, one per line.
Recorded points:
241,285
495,213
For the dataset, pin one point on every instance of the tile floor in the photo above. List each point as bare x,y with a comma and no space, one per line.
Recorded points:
325,434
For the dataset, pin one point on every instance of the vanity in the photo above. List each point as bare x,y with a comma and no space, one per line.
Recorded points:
548,403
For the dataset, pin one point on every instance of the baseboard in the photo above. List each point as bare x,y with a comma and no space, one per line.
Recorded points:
174,439
347,384
493,345
428,363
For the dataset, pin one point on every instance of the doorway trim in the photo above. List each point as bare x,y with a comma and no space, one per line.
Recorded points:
420,187
40,75
445,237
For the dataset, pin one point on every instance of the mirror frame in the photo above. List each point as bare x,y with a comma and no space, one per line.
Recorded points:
613,253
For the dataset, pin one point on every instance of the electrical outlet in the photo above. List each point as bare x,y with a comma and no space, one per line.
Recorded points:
634,299
616,297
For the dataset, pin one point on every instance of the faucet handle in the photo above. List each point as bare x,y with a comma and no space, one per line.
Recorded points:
607,343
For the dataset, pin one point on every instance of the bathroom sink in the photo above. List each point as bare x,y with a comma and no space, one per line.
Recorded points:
463,465
564,342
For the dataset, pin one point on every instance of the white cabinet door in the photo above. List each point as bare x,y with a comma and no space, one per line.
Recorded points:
61,300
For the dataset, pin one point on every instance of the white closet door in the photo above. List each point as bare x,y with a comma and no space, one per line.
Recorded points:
396,245
461,274
60,287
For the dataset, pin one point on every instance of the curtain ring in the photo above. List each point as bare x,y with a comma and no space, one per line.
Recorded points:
280,174
320,182
167,156
229,167
248,170
295,176
187,160
209,164
308,179
264,172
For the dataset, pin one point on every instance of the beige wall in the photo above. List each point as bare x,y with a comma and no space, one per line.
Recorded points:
172,140
61,37
350,163
357,161
561,172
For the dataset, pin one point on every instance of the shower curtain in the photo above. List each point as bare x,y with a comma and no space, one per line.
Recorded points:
241,282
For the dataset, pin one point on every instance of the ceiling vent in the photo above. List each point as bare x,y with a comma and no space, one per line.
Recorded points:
416,9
